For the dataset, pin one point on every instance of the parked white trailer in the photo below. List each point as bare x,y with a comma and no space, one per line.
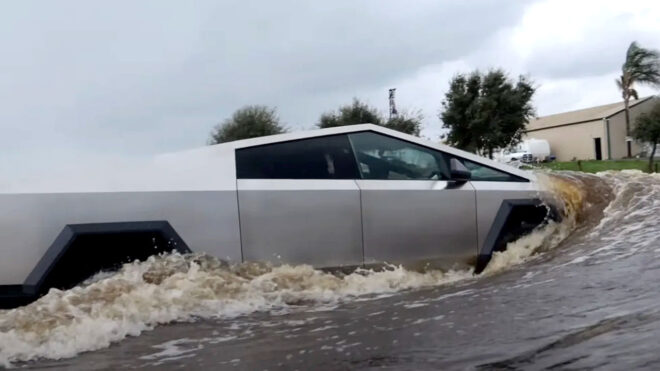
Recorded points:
529,150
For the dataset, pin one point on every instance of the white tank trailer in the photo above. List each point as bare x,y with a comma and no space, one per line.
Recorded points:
527,151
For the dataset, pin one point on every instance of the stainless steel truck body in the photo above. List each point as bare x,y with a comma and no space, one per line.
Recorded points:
340,197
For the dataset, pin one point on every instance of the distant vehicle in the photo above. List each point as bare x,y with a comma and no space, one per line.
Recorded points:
342,197
528,151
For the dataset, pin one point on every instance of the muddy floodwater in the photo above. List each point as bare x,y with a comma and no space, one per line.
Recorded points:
580,294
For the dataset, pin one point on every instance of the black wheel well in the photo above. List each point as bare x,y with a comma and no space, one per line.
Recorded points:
514,219
82,250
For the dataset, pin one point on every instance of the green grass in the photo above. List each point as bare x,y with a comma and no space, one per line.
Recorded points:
594,166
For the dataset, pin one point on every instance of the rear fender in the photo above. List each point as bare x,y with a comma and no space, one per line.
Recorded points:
82,250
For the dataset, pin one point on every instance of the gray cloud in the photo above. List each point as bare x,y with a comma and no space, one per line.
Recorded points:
80,78
134,77
603,52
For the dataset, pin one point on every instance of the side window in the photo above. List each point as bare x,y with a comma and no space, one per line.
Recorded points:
383,157
316,158
485,173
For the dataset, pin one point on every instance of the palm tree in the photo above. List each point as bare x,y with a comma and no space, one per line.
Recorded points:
641,66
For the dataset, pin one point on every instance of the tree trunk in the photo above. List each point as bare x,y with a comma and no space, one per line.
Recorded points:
627,109
490,153
651,157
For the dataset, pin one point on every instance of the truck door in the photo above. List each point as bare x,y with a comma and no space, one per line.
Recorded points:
410,211
299,203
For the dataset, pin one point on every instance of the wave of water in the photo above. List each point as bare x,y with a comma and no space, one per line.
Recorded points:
181,288
175,287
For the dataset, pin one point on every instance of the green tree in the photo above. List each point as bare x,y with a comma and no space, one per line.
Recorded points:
247,122
647,129
361,113
351,114
641,66
460,111
486,111
406,123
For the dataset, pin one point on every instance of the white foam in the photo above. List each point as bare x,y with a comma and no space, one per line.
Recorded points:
569,195
174,349
520,251
180,288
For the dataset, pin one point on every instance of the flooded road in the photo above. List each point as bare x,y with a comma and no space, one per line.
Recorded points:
580,294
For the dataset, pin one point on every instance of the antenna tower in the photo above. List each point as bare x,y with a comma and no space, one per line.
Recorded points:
393,111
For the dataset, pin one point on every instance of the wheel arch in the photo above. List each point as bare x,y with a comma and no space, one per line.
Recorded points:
134,240
514,219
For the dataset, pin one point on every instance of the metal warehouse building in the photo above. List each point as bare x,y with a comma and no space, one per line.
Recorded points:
591,133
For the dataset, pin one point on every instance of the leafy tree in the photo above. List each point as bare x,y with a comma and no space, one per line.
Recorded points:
647,129
486,111
247,122
641,66
460,111
361,113
406,123
352,114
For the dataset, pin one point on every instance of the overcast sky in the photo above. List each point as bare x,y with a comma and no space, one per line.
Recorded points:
84,80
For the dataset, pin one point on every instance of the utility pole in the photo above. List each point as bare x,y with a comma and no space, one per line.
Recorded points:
393,111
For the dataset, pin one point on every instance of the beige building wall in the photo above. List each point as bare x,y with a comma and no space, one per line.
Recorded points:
618,129
574,141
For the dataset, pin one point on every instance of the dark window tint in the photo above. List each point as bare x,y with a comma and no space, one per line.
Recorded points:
316,158
484,173
383,157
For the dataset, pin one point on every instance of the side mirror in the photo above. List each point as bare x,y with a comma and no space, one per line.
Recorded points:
458,172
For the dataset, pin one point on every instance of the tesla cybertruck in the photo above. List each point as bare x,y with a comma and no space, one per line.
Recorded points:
342,197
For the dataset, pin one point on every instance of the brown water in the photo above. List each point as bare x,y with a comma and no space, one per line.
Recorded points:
579,294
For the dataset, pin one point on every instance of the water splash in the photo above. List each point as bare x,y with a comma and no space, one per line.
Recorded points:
175,287
566,192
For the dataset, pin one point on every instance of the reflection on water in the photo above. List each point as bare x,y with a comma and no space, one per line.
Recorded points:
553,297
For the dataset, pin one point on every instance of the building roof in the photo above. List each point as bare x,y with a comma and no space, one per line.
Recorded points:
580,116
